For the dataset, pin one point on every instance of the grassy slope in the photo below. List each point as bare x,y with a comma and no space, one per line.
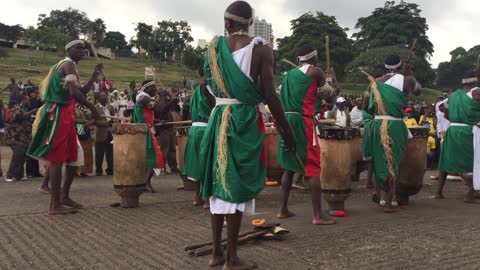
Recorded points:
123,70
120,71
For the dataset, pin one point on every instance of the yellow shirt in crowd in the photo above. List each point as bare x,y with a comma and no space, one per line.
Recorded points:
430,121
431,144
411,122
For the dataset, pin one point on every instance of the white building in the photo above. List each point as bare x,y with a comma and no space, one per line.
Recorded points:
263,29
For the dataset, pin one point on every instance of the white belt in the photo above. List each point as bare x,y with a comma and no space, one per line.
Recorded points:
387,117
293,113
459,125
227,101
199,124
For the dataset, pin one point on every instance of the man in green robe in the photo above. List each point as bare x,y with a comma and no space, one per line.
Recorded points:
388,133
232,148
461,142
54,134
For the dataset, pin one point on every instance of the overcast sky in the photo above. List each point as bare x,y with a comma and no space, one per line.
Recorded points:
451,22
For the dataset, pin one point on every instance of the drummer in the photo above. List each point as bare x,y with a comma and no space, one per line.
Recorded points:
301,88
143,113
200,107
388,133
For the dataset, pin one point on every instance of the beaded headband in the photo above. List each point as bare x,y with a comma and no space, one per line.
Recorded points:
469,80
144,87
236,18
392,67
307,57
73,43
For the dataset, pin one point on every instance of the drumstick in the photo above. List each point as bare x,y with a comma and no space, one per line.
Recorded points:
289,62
299,161
327,51
175,123
94,51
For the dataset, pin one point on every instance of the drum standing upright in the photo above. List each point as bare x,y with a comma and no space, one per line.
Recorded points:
274,171
338,164
182,138
413,165
129,157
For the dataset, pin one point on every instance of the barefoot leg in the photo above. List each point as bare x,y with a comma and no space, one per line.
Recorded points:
69,175
318,217
44,187
370,175
55,173
217,249
287,179
233,229
388,208
197,200
442,178
297,181
470,196
148,180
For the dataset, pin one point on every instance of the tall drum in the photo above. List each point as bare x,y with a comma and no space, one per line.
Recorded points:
338,164
413,165
274,171
182,138
129,157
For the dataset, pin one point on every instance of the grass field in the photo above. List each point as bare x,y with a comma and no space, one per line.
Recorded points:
34,65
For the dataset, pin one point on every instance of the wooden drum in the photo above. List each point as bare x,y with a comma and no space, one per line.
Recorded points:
413,165
338,164
129,157
274,171
182,138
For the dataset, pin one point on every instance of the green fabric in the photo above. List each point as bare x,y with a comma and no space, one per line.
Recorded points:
139,118
394,101
192,166
457,147
49,116
199,106
245,173
366,143
200,110
295,86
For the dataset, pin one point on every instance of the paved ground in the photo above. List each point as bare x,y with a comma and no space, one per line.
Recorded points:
430,234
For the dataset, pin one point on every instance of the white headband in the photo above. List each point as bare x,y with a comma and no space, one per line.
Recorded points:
307,57
393,66
147,85
236,18
469,80
73,43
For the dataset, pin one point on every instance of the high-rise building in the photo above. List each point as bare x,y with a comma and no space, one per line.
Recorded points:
202,43
263,29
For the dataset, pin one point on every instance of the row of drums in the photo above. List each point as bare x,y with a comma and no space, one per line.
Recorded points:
341,162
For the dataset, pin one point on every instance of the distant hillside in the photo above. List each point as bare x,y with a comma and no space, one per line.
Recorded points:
34,65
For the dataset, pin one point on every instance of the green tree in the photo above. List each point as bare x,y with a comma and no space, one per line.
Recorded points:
98,31
11,32
114,40
450,73
373,62
170,40
194,58
144,38
311,29
46,38
70,21
394,25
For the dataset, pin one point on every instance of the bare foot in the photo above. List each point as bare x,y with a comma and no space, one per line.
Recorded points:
390,210
239,264
284,215
216,261
149,188
198,202
44,190
323,220
70,203
471,200
206,206
438,196
62,211
375,198
299,186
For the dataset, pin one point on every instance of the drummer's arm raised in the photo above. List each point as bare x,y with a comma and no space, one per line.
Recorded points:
325,90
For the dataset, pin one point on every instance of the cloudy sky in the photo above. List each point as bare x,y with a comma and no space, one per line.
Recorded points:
451,22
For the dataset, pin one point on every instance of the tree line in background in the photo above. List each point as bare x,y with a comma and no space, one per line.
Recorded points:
390,29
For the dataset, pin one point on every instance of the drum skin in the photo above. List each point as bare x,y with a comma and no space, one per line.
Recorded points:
413,165
129,157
